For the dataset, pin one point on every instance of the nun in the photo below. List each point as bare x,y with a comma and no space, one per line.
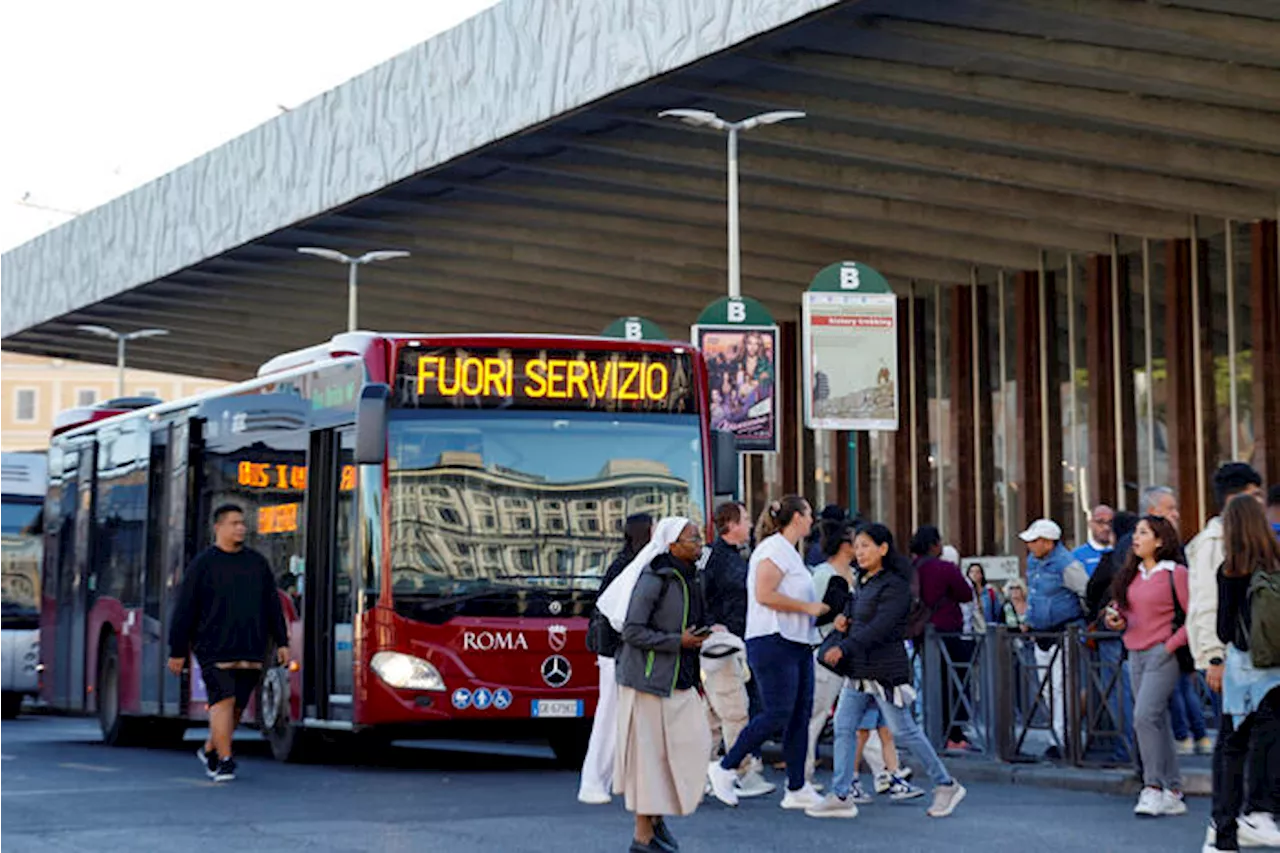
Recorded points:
663,737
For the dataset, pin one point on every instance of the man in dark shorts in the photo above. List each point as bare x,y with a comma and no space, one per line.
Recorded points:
227,613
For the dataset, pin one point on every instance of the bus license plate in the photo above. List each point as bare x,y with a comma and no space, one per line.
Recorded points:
557,708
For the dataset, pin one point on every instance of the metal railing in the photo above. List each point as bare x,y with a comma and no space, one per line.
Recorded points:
1025,696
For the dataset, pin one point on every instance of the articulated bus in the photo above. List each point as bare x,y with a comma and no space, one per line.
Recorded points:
438,512
22,488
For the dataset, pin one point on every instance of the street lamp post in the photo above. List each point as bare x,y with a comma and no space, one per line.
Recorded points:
353,265
121,338
706,118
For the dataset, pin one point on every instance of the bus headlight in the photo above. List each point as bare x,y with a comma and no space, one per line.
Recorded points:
406,672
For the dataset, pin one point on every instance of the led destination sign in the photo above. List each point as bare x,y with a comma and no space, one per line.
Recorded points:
621,381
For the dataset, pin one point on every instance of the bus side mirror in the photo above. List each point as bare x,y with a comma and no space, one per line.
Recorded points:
724,464
371,424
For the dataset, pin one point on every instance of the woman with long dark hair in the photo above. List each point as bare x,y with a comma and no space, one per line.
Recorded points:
1149,592
874,658
1250,695
597,767
781,609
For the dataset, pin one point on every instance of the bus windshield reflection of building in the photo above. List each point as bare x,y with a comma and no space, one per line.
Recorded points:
462,521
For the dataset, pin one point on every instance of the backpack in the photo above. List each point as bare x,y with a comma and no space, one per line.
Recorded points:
1264,613
920,613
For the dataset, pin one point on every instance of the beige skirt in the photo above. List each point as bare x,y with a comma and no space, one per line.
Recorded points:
661,764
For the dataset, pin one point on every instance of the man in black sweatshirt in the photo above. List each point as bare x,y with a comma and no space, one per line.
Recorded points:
227,613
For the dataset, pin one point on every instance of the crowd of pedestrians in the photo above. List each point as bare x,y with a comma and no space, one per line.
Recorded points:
706,654
723,648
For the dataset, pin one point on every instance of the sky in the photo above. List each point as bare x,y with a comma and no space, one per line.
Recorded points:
100,98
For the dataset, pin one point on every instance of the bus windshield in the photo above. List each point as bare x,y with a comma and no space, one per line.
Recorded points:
528,505
20,558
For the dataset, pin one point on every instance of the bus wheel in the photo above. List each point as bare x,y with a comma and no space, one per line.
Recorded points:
117,729
287,740
569,743
10,705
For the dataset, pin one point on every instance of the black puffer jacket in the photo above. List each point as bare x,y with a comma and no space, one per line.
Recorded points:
877,613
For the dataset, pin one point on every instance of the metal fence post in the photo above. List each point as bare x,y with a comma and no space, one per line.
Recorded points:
932,706
1002,679
1071,694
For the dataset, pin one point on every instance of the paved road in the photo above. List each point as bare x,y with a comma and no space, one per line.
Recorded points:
61,790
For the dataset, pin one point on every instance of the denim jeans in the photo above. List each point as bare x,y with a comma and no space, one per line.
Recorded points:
906,733
785,671
1185,709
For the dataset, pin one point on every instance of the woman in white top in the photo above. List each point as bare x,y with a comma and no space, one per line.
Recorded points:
781,609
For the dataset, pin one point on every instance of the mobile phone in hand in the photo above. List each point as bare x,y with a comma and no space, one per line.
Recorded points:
701,631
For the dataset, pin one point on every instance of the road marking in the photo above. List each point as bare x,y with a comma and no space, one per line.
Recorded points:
114,789
7,757
95,768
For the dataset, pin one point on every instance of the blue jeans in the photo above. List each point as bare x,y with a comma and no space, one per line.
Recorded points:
784,670
906,733
1185,710
1120,701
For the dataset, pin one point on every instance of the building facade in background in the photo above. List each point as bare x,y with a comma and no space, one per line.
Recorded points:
35,389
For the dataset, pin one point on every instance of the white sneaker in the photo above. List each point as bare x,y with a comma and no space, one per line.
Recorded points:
1171,803
1186,746
723,781
804,798
1150,803
752,784
594,798
833,806
946,798
1257,829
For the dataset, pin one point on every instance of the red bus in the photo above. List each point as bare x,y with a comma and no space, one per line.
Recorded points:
438,511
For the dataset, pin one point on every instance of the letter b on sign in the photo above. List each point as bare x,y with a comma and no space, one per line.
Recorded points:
633,331
849,278
737,312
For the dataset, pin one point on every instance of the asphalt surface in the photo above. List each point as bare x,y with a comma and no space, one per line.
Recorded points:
62,790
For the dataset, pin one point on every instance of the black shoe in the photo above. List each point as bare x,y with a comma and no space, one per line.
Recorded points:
226,770
654,846
208,759
1053,753
662,834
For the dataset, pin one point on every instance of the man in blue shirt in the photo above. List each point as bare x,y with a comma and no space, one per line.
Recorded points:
1101,539
1273,508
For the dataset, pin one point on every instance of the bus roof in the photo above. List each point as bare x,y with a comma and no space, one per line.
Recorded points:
354,346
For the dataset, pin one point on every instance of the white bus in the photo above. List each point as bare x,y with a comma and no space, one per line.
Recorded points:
23,480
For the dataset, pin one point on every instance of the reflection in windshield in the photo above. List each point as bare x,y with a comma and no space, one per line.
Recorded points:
20,560
530,500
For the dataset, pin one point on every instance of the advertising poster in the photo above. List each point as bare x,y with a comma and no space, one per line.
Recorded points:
850,351
742,373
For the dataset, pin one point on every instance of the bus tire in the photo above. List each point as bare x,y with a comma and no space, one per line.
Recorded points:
10,705
288,740
117,729
569,743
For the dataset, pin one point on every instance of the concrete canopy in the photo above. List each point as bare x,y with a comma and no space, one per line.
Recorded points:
942,135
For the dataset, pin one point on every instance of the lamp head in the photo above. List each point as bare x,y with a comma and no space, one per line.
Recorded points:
697,118
327,254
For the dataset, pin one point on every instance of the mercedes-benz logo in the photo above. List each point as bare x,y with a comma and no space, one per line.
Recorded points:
556,671
555,607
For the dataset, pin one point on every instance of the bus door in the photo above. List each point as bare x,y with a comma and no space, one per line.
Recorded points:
177,546
73,598
331,601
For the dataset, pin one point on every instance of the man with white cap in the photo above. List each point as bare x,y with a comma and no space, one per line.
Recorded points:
1056,583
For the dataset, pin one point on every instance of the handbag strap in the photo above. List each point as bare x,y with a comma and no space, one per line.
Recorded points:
1179,615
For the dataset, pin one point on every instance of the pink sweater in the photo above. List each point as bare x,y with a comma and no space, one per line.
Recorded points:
1150,612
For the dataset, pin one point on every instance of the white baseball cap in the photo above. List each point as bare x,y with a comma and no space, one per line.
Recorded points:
1041,528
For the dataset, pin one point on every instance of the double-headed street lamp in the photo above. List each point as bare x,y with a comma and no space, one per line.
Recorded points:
121,338
353,265
706,118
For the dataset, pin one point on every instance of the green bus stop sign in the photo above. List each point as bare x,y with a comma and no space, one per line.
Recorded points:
735,311
849,277
635,329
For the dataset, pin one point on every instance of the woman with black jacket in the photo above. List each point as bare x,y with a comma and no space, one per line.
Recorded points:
1250,695
874,658
597,767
